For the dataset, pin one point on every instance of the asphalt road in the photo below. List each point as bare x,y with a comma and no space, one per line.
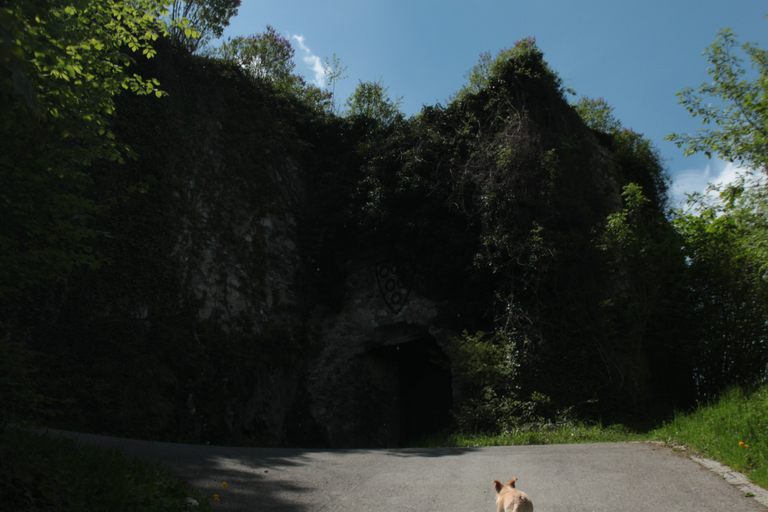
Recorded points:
627,477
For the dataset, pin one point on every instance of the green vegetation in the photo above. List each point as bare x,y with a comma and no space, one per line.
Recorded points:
63,66
567,433
583,302
40,473
267,57
719,292
725,231
731,430
740,106
195,22
371,101
724,237
19,392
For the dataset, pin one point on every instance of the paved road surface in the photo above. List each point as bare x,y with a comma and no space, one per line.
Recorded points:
627,477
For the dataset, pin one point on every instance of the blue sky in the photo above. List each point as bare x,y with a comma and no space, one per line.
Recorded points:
636,55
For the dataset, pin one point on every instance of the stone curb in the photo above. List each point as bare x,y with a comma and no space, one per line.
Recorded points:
734,478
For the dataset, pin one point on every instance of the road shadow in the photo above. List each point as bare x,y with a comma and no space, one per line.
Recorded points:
267,479
431,452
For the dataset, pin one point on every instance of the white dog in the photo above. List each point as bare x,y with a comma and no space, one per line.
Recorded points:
509,499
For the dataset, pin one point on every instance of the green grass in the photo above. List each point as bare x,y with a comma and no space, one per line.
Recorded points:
713,431
39,473
548,434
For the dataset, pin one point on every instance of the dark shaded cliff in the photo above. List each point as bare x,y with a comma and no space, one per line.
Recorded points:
249,295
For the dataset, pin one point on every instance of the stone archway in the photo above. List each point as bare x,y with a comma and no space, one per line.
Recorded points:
382,378
416,374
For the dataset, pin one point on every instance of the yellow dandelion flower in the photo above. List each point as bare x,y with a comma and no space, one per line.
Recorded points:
215,497
746,446
224,484
741,443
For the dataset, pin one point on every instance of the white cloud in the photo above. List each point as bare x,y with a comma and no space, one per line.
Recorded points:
697,180
313,61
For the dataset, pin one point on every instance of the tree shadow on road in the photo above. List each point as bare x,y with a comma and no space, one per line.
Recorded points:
285,479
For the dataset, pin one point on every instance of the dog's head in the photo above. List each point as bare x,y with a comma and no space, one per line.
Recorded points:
500,486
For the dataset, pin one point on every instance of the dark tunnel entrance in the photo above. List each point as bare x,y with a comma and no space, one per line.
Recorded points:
418,378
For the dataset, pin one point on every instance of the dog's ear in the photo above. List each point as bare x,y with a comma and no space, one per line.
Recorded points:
511,483
498,485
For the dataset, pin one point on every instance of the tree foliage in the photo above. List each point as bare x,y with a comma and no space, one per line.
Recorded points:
503,194
68,61
737,106
371,100
597,114
196,22
725,231
333,74
481,75
268,56
646,266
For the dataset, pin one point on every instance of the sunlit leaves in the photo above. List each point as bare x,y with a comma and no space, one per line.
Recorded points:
735,106
198,21
371,101
268,56
67,62
725,235
726,230
529,61
597,114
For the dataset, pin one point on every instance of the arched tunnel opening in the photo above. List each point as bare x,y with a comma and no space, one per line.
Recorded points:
417,376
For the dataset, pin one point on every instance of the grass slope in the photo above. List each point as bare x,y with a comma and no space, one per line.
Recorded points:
732,430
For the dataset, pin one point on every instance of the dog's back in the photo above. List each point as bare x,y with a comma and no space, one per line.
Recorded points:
509,499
